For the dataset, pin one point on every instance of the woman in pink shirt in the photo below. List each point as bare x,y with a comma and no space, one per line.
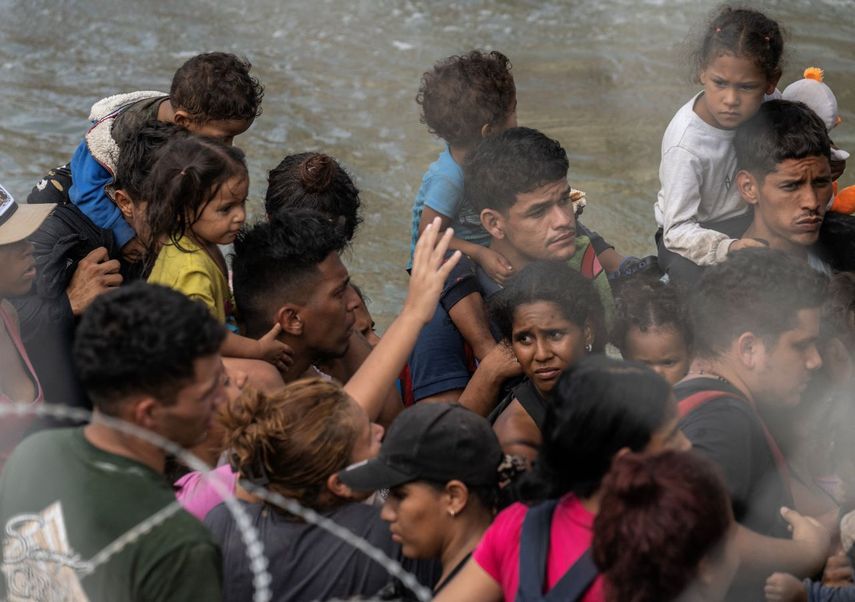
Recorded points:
602,408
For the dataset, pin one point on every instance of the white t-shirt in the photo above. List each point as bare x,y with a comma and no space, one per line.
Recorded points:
697,175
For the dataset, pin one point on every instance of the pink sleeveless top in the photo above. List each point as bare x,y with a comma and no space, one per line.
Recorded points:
13,428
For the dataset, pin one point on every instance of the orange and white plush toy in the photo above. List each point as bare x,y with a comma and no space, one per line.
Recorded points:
816,94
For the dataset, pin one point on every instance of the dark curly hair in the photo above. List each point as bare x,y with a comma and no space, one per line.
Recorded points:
314,181
461,94
142,339
188,175
745,33
599,406
647,303
553,282
838,310
780,130
216,86
755,290
276,261
515,161
660,516
138,155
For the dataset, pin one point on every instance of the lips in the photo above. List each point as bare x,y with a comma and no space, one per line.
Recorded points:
564,239
809,224
547,373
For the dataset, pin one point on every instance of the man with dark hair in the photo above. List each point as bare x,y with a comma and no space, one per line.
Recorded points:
86,512
78,261
784,158
756,322
288,271
517,181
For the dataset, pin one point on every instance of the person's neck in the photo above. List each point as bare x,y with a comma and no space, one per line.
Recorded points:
166,112
592,502
111,440
758,230
458,153
722,369
471,527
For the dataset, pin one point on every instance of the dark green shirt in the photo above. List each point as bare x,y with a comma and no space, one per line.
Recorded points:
79,523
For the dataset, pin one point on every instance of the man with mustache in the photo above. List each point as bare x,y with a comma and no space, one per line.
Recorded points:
784,159
517,181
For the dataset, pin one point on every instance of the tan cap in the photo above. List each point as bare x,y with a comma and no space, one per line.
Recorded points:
17,222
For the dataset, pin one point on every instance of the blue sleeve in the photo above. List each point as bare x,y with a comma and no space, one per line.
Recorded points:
442,195
87,192
817,592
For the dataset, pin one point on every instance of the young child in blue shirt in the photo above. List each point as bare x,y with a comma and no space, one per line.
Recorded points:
211,95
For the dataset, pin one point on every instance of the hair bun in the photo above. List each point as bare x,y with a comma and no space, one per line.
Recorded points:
317,172
634,480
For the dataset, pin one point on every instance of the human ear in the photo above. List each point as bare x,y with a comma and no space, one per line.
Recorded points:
747,186
182,118
124,203
494,223
144,411
749,349
486,130
589,333
456,497
288,316
773,81
338,488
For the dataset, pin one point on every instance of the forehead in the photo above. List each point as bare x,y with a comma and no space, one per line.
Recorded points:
549,192
331,271
734,67
537,313
806,325
816,165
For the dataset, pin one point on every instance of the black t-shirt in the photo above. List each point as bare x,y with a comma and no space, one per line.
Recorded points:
728,431
307,562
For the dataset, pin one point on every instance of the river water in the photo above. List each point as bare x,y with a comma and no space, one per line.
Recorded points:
603,77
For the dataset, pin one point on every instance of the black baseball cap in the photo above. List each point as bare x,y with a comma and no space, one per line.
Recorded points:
436,442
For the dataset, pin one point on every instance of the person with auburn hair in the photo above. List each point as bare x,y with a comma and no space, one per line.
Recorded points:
665,531
294,443
314,181
602,407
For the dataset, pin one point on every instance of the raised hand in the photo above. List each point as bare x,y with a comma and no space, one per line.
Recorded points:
429,271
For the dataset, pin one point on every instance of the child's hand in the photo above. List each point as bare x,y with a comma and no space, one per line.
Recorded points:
272,350
781,587
497,267
429,271
838,570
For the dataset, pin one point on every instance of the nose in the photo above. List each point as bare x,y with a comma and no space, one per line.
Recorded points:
353,300
730,97
810,199
562,217
813,359
542,350
240,215
387,512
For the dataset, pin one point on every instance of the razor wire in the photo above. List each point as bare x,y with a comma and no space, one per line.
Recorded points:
248,533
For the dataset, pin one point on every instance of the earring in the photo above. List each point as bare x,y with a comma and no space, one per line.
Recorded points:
588,348
451,513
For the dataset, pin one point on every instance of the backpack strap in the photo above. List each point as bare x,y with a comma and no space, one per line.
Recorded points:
689,404
534,551
532,402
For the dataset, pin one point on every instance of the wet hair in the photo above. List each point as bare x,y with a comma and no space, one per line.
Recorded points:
294,439
216,86
780,130
646,303
276,262
139,152
314,181
600,406
742,32
660,516
513,162
838,311
755,290
188,175
142,339
461,94
553,282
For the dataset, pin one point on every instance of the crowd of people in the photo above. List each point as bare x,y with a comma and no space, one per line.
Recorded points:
545,419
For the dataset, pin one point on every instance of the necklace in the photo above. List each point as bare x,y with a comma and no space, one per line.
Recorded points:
710,374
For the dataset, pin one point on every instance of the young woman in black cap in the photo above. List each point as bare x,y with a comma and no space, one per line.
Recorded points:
600,408
441,464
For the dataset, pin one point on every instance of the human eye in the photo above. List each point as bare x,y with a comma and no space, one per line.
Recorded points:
523,338
556,334
719,83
